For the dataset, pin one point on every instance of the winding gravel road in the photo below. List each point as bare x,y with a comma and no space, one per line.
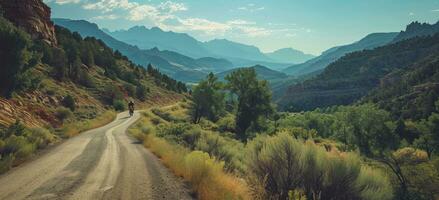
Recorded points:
103,163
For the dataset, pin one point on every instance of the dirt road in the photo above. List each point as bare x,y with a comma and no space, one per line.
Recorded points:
103,163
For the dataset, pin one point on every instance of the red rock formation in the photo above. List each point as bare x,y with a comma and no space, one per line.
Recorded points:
31,15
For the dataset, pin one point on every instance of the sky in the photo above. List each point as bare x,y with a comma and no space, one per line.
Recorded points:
311,26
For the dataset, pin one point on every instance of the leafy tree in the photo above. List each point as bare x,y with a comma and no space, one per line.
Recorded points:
15,55
253,97
208,100
368,128
141,92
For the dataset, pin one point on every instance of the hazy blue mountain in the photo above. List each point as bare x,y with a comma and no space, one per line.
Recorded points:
231,50
239,54
263,72
417,29
371,41
216,64
146,38
289,55
178,66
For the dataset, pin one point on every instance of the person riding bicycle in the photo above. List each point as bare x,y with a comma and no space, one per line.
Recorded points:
131,107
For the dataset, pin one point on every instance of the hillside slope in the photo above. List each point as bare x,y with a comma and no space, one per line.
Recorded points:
321,62
354,75
86,70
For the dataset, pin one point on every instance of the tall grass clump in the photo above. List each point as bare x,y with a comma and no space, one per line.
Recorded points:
18,142
206,173
74,128
280,166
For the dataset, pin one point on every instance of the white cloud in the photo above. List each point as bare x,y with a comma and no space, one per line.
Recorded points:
251,8
172,7
166,16
62,2
435,10
411,14
110,5
105,17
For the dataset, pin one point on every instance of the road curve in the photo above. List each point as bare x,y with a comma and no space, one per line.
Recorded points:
103,163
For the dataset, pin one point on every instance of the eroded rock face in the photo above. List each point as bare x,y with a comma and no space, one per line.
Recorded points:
31,15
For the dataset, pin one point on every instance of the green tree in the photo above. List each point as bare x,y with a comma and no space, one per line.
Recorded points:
368,128
141,92
208,100
15,56
253,100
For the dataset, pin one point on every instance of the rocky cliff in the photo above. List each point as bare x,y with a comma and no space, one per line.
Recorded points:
31,15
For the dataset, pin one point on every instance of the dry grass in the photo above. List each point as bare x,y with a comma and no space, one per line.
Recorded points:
206,175
72,129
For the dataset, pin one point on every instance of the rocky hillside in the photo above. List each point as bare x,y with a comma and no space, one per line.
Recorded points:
33,16
51,77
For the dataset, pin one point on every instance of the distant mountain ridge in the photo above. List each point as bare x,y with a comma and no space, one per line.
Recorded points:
289,55
262,72
146,38
239,54
371,41
416,29
176,65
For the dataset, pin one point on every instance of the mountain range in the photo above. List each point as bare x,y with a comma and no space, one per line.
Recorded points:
240,54
176,65
394,72
319,63
290,55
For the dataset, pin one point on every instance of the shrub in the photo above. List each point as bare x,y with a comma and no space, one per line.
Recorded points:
156,121
275,165
131,89
226,124
69,102
17,145
119,105
63,113
40,137
141,92
281,164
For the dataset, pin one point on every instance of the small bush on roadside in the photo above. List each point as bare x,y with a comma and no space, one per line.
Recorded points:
119,105
63,113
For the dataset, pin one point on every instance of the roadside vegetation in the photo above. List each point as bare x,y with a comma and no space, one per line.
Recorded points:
66,89
342,152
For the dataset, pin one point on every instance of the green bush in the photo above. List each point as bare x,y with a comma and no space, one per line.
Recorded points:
40,137
63,113
131,89
119,105
281,164
226,124
141,92
16,144
69,102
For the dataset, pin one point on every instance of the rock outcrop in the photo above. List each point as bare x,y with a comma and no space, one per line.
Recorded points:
31,15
